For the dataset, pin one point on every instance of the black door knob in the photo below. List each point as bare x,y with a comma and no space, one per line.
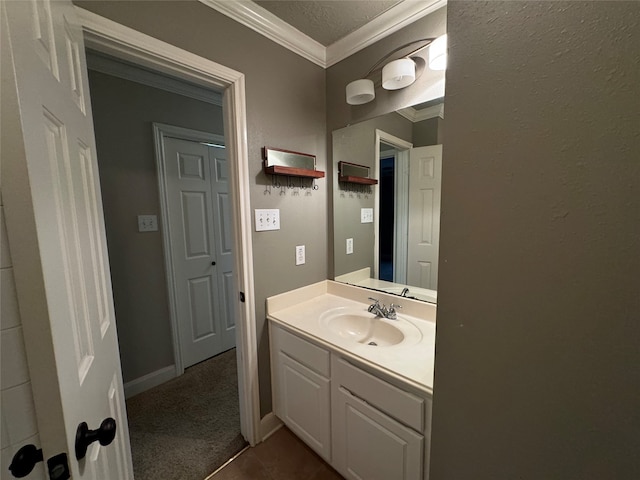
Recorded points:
24,460
213,263
85,437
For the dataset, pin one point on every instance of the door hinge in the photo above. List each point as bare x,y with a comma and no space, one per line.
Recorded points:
242,297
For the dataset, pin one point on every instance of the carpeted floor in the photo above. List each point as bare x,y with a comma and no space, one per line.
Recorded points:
186,428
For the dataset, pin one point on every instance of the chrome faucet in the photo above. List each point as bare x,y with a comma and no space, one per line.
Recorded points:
382,310
405,290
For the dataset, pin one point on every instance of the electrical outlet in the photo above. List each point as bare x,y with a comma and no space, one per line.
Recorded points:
267,219
300,255
349,246
147,223
366,215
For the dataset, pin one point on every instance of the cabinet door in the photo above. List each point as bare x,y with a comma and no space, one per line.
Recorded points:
303,402
369,445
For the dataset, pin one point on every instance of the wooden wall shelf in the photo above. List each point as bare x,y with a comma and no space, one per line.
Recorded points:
293,172
353,173
292,164
360,180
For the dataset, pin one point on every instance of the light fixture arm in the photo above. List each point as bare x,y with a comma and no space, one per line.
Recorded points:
396,50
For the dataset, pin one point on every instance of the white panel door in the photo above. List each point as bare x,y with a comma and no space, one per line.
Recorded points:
223,244
56,233
425,178
199,223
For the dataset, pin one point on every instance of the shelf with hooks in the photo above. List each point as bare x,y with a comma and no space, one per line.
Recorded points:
293,172
354,173
277,161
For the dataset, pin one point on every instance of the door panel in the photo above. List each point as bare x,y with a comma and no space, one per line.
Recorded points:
56,230
223,244
195,225
425,178
199,225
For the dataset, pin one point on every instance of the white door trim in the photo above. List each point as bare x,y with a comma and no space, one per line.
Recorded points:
160,131
125,43
400,144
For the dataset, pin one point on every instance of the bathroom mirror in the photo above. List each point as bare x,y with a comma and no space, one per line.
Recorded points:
395,250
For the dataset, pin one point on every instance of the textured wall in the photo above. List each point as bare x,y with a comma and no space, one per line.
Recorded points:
537,368
123,113
427,132
285,108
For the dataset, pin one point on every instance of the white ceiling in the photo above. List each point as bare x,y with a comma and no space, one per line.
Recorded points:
327,21
325,32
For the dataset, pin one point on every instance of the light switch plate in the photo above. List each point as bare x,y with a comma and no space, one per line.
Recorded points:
267,219
349,246
147,223
300,255
366,215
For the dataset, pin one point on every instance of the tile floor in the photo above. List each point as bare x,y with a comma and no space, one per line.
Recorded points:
281,457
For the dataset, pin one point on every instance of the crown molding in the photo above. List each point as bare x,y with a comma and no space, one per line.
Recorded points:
115,67
415,116
261,20
389,22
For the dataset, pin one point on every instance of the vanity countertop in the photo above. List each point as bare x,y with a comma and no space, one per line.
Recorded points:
301,310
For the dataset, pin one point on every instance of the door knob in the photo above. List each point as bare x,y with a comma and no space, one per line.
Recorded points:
213,263
85,437
24,460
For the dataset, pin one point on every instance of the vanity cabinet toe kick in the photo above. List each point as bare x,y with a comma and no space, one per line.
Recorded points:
349,413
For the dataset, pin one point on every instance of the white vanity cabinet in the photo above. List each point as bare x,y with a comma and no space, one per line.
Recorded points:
378,429
301,388
366,426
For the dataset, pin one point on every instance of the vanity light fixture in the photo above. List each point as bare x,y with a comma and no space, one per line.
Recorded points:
400,72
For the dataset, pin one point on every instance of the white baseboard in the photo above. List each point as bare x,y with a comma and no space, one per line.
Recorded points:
149,380
269,424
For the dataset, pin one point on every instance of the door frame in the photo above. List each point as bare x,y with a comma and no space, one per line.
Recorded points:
401,145
160,132
122,42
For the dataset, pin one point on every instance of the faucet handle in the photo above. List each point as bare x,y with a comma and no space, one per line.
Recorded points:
374,300
395,305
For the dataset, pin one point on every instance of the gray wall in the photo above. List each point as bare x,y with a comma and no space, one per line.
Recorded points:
357,144
286,108
123,112
537,372
427,132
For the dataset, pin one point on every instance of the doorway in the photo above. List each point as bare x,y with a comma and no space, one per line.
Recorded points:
192,233
111,38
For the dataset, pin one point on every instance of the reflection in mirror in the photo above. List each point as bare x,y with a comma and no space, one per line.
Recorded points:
396,252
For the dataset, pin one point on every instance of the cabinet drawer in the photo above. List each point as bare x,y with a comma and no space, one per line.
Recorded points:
306,353
403,406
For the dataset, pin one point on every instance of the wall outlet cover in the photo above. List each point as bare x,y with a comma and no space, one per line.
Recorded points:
147,223
366,215
349,246
300,255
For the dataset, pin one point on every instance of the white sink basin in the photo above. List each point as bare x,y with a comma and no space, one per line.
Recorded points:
364,328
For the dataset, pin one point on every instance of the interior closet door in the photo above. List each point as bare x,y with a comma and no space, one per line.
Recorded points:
199,226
